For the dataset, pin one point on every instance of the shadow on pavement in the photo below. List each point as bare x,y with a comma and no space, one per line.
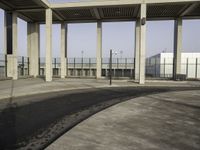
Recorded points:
28,125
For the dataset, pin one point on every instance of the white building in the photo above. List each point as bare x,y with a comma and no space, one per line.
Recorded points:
161,65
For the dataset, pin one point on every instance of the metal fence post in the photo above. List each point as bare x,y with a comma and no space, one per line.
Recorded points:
39,66
6,61
28,66
146,66
55,71
22,71
187,68
155,73
164,67
55,63
82,66
74,66
67,67
196,73
89,66
117,63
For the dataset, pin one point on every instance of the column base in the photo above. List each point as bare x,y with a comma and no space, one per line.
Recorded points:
12,69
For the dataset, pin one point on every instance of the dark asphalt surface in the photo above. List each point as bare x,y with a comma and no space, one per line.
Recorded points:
36,124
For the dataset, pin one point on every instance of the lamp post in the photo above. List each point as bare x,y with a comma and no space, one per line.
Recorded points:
110,67
82,52
110,75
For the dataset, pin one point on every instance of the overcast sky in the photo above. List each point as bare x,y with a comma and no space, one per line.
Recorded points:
118,36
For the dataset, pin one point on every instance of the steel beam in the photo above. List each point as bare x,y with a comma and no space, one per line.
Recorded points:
113,3
188,9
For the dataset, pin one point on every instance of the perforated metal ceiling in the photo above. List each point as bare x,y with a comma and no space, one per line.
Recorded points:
163,10
73,14
129,12
118,12
35,16
21,4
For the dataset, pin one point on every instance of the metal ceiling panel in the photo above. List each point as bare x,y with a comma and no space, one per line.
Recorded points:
35,16
19,4
72,14
164,10
118,12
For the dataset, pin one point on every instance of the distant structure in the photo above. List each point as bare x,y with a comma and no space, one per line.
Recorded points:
161,65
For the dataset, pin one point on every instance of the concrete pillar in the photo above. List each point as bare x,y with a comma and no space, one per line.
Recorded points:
99,50
11,44
33,48
137,50
5,34
63,50
177,47
142,42
48,60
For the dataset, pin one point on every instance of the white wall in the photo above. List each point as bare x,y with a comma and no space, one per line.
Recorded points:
188,64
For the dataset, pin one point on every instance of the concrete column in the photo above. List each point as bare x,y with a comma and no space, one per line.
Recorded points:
33,48
142,41
99,50
11,44
5,34
48,60
137,50
63,50
177,47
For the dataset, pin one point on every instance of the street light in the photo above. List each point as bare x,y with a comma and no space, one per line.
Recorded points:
82,52
111,53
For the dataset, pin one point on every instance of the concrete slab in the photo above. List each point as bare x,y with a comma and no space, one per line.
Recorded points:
161,121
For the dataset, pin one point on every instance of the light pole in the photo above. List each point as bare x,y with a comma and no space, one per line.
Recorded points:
110,67
110,75
82,52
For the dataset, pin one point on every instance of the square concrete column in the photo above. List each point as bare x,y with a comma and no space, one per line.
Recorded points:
11,44
33,48
137,50
177,47
99,50
48,60
5,34
63,50
142,43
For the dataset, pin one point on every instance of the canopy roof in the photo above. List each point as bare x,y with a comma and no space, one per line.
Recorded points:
104,10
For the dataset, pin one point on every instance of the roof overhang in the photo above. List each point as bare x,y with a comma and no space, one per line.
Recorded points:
110,10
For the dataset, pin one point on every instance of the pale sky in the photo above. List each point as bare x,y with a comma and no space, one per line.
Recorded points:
118,36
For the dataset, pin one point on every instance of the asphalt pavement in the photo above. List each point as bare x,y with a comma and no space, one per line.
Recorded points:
33,121
164,121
